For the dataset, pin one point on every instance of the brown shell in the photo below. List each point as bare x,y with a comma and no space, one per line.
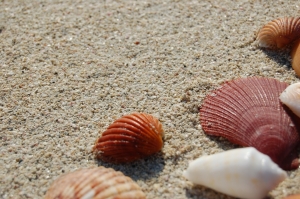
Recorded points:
248,112
295,54
130,138
94,183
279,32
297,196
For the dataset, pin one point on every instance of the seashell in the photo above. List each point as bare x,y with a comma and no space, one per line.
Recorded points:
295,54
279,32
248,112
242,173
291,98
130,138
297,196
94,183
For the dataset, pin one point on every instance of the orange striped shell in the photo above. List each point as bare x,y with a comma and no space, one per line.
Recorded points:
94,183
279,32
130,138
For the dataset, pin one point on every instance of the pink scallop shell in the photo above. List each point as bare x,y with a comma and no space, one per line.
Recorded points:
248,112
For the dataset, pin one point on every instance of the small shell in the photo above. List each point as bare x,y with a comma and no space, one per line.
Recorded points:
291,98
242,173
130,138
279,32
94,183
295,54
297,196
248,112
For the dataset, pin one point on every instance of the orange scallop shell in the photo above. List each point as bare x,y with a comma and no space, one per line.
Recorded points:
279,32
130,138
94,183
248,112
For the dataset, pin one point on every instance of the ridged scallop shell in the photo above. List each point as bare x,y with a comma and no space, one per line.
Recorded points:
291,98
248,112
279,32
129,138
94,183
242,173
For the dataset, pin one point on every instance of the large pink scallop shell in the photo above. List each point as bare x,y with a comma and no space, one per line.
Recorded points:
248,112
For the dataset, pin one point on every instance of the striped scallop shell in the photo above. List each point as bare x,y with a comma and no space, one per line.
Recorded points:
248,112
130,138
279,32
94,183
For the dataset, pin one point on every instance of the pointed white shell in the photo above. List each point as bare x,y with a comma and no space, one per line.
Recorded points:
291,98
242,173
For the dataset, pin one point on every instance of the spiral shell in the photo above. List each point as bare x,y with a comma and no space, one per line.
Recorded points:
248,112
94,183
130,138
291,98
279,32
242,173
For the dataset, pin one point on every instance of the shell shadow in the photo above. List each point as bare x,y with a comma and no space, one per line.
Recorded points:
282,57
143,169
201,192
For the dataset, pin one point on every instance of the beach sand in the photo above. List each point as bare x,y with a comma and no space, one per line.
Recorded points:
68,69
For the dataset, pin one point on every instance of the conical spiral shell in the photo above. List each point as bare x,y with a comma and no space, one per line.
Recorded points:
291,98
242,173
279,32
248,112
130,138
94,183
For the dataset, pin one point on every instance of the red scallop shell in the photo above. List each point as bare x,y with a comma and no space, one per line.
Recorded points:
129,138
279,32
248,112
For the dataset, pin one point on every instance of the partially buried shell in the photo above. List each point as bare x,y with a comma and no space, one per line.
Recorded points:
248,112
130,138
94,183
279,32
291,98
242,173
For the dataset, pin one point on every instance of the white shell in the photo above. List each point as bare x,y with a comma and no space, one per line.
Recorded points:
291,98
242,173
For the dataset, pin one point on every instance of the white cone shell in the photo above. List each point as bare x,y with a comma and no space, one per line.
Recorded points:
242,173
291,98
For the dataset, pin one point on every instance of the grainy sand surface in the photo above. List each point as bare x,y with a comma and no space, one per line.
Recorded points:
70,68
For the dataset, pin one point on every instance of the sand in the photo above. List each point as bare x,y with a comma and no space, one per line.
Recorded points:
68,69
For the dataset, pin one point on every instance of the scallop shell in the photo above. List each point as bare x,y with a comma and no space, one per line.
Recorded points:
279,32
241,173
94,183
248,112
291,98
130,138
